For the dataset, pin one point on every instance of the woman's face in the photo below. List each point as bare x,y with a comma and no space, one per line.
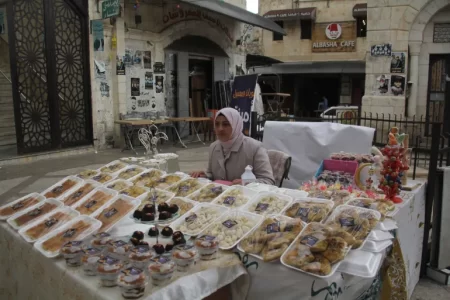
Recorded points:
223,129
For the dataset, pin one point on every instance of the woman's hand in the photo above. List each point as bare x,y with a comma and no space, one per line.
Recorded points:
198,174
237,182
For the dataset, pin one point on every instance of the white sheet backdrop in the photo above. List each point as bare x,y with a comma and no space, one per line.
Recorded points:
309,143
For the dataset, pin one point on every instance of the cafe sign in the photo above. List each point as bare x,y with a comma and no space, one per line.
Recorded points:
110,8
334,37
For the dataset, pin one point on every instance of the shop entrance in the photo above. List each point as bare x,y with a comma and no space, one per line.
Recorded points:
438,98
200,85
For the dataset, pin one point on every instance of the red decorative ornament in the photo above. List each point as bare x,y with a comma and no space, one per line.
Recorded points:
393,170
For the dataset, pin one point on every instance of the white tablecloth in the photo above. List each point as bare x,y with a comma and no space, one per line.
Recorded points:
26,274
274,281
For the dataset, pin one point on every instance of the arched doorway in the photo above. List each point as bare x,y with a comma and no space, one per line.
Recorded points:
49,50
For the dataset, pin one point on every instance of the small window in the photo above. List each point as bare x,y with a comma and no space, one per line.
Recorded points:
278,36
306,29
361,27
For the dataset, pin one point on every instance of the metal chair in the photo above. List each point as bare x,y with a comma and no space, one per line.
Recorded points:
281,164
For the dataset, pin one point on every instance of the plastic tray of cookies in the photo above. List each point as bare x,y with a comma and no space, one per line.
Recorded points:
385,208
115,210
113,167
104,178
273,228
198,218
267,203
167,180
16,206
261,187
62,187
135,191
309,209
310,252
77,194
45,224
148,176
235,197
184,204
130,172
187,186
34,212
77,229
295,194
94,200
86,174
357,221
119,185
208,193
232,227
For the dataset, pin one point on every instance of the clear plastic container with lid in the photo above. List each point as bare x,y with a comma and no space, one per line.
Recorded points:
73,251
132,282
119,249
101,240
184,256
207,246
161,270
140,256
108,269
90,259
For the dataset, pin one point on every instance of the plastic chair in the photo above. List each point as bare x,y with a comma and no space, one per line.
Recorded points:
281,164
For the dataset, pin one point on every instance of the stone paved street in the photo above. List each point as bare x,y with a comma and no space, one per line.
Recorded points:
18,180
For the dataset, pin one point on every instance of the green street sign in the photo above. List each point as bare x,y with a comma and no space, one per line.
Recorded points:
110,8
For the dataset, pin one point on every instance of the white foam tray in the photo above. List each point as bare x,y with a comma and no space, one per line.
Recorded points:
78,181
95,184
372,246
330,204
249,205
88,197
391,213
140,169
295,194
112,183
69,211
361,263
261,187
196,193
201,181
53,201
39,197
379,235
387,225
248,193
112,163
186,200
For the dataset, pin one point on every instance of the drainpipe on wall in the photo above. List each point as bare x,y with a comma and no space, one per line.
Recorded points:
414,52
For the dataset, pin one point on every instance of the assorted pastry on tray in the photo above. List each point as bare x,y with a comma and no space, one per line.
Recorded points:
382,206
183,205
134,191
93,202
159,196
308,211
356,221
78,194
36,212
130,173
111,214
317,249
52,221
165,181
233,198
208,193
185,187
87,174
18,206
118,185
56,242
267,205
60,189
102,177
272,237
113,167
194,222
148,177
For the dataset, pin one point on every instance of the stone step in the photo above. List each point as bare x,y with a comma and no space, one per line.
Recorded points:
5,92
6,100
8,107
7,132
8,141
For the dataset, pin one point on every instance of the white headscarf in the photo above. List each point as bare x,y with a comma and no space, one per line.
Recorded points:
237,124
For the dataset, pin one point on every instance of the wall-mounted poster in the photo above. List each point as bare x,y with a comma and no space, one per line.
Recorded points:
120,66
128,57
147,60
381,50
158,68
381,86
97,33
104,89
159,87
398,61
135,87
398,85
137,57
100,69
148,80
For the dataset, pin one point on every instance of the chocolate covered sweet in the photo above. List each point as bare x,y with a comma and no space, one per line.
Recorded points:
177,234
167,231
165,215
148,217
143,243
149,208
159,249
163,207
169,247
134,241
153,231
139,235
137,214
179,241
173,208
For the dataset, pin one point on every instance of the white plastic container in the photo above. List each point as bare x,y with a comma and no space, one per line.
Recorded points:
89,200
76,195
261,187
248,176
329,204
34,212
140,195
376,247
109,209
132,160
113,185
19,205
130,172
379,235
69,234
162,184
50,222
226,222
187,186
188,203
107,168
57,190
387,225
228,202
210,186
187,217
87,174
361,263
295,194
147,175
258,206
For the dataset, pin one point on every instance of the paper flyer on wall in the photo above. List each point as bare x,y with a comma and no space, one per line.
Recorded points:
398,62
397,85
97,35
381,85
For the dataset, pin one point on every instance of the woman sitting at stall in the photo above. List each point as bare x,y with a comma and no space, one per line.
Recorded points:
232,152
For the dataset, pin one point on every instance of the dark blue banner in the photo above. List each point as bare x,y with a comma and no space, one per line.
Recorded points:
243,93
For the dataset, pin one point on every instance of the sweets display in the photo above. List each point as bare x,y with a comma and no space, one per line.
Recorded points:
339,197
159,196
183,204
384,207
140,256
101,240
233,198
93,201
72,252
132,282
119,249
268,203
207,246
231,227
90,259
148,177
108,268
184,256
102,177
19,205
161,270
333,177
134,191
87,174
359,158
41,227
208,193
185,187
147,212
118,185
356,221
79,193
32,213
115,211
165,181
316,250
272,237
309,211
195,221
130,172
113,167
60,188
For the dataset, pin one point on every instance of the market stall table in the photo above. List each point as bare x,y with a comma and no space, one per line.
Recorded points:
27,274
192,122
131,126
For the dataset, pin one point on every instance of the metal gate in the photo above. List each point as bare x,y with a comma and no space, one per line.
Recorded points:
50,73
